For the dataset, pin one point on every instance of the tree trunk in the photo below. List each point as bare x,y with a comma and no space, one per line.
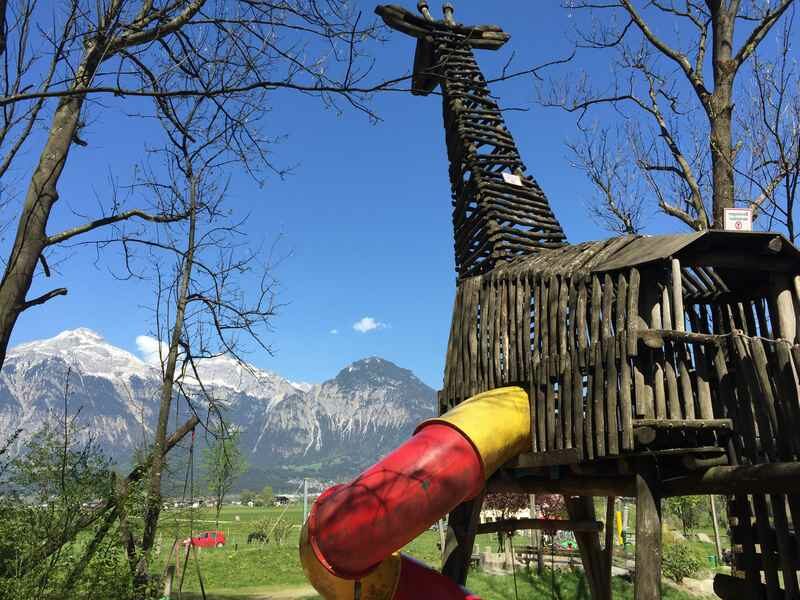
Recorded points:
720,114
152,509
31,236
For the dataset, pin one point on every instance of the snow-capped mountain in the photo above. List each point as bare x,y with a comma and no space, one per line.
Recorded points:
327,430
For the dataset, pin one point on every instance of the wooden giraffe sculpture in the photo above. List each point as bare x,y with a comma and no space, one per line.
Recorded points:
499,212
654,366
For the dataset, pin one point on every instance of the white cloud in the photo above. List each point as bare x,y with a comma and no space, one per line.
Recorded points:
367,324
334,332
148,348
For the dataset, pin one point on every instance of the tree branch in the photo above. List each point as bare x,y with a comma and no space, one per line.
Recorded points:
679,58
124,216
761,30
43,298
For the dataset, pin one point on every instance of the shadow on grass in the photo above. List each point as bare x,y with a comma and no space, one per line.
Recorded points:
243,596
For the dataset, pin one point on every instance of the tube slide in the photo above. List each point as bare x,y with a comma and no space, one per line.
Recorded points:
354,530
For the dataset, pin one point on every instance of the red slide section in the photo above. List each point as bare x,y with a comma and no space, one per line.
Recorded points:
352,528
349,545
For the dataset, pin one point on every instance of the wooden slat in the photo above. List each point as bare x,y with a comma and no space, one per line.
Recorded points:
577,406
787,550
625,382
474,295
611,399
581,323
550,405
553,329
498,333
598,401
673,397
491,333
483,338
767,545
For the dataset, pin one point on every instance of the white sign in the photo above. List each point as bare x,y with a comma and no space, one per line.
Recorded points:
738,219
512,178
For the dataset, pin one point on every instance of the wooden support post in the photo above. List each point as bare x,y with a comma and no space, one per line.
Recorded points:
592,555
462,525
717,542
611,502
647,579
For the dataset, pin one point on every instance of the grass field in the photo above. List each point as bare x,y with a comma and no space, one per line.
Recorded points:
242,571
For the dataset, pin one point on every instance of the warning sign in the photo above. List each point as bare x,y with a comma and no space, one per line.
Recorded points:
512,178
739,219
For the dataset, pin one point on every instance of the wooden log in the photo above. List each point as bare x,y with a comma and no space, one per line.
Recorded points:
472,341
748,371
510,331
598,402
782,291
768,478
582,508
565,395
577,405
536,335
647,578
525,334
673,397
683,424
767,546
728,587
553,525
679,316
652,315
685,380
563,323
611,398
607,319
483,379
787,551
581,327
450,362
787,390
609,542
595,312
632,309
550,407
462,525
565,456
624,317
700,354
765,379
744,558
499,335
553,329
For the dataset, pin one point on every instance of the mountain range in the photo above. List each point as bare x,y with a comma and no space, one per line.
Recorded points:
327,431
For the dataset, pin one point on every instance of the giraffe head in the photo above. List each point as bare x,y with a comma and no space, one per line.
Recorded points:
423,27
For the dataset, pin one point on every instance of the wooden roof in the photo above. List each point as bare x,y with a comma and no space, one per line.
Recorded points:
763,251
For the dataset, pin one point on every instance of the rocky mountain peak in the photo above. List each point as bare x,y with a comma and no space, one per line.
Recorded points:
374,371
328,431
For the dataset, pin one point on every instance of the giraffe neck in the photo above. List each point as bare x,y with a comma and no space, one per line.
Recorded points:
495,218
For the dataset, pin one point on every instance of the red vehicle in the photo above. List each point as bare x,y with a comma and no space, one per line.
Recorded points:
207,539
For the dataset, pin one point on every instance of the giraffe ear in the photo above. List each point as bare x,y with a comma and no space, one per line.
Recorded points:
426,73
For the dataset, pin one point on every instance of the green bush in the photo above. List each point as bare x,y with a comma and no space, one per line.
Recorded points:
680,560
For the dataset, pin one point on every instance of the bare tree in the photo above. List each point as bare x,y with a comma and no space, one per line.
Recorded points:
199,265
770,125
681,129
619,202
67,62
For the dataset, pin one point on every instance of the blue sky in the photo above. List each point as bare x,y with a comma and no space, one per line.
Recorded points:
365,216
